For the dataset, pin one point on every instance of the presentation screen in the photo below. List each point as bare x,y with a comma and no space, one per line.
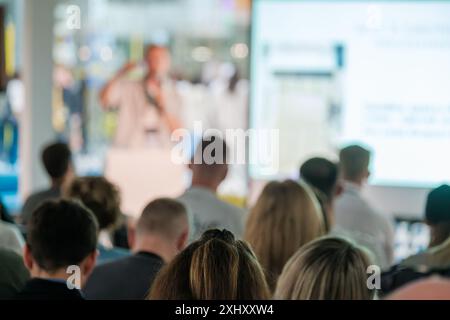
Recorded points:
327,74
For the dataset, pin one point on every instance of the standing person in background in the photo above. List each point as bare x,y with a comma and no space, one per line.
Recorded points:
57,161
148,107
205,209
285,217
161,233
323,176
355,217
103,199
11,118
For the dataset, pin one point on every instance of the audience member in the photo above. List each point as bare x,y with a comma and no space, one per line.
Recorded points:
323,176
355,218
11,238
161,233
429,289
216,267
285,217
103,199
57,161
209,168
436,259
61,235
13,274
326,269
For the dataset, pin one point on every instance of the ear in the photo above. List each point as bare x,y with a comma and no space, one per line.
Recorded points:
88,264
224,172
338,190
182,240
28,258
131,235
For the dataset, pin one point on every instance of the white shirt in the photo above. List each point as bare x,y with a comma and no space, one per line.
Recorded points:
206,211
10,238
357,220
137,116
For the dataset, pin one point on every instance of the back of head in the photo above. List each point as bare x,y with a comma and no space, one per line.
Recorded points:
437,214
354,162
166,218
326,269
216,267
60,234
100,196
288,216
56,159
322,174
210,159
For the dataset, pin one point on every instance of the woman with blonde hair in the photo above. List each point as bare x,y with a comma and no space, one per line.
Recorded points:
285,217
216,267
326,269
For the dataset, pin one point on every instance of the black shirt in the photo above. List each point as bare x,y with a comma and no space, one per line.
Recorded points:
41,289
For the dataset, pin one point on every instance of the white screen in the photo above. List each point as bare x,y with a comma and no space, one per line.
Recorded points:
330,73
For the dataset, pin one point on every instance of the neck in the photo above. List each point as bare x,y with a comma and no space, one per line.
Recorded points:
57,275
357,182
156,245
206,184
57,183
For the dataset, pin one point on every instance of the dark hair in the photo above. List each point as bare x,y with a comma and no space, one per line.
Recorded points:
321,174
216,267
354,161
100,196
56,158
163,216
437,214
61,233
211,151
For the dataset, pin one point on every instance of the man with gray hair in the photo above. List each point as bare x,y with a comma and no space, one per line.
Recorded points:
209,169
160,234
354,216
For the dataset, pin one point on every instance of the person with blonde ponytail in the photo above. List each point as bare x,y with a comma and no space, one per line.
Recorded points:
216,267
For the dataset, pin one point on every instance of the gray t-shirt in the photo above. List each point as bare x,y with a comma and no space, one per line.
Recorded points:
11,238
206,211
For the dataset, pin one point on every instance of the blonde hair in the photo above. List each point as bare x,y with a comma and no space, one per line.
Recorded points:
216,267
285,217
326,269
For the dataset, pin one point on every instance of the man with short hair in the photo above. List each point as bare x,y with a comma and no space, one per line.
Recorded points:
60,252
355,217
161,233
103,198
57,161
323,176
209,169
